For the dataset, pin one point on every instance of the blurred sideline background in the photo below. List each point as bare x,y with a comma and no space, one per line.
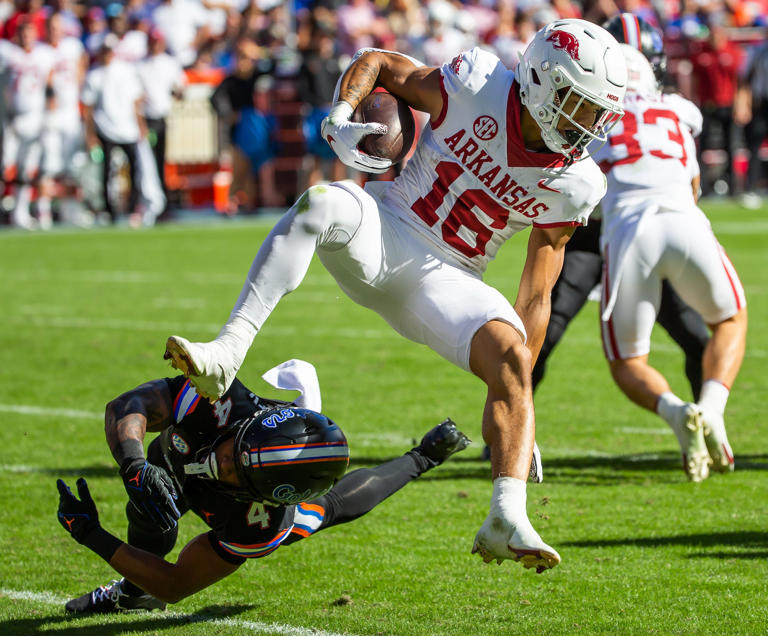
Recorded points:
229,94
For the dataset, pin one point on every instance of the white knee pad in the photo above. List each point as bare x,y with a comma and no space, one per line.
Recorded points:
332,212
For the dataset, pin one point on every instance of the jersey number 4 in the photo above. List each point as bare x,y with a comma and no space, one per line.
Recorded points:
461,213
257,513
628,137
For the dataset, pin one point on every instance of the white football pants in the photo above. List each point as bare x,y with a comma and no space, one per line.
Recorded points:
380,264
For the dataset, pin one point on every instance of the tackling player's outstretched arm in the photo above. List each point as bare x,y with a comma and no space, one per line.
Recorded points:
197,567
546,249
127,419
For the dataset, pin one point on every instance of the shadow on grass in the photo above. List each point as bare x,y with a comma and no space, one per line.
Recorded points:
756,541
139,622
600,470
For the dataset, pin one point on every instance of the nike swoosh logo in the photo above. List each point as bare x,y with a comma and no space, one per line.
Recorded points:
545,187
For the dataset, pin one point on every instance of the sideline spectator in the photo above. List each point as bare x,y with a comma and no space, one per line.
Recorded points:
716,62
95,31
250,128
31,11
442,39
112,98
751,111
163,79
512,35
317,77
71,25
184,24
361,26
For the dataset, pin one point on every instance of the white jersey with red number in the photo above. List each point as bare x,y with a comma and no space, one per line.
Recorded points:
650,153
471,183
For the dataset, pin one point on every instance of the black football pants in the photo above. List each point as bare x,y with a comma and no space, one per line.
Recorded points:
363,489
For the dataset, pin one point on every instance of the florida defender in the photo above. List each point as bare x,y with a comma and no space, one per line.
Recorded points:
260,473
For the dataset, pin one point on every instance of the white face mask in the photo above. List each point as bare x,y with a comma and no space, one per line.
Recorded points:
207,467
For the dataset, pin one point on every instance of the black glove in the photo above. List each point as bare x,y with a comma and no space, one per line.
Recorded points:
81,519
151,491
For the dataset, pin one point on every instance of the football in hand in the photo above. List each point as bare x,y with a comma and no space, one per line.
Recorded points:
385,108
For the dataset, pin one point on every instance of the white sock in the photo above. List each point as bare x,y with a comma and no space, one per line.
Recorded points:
714,396
237,336
668,407
21,215
44,216
509,497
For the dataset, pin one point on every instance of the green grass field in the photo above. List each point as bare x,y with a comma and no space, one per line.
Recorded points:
85,316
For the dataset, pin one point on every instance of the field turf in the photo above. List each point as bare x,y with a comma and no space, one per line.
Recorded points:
85,316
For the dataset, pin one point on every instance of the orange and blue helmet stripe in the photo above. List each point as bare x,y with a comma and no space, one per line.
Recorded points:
289,454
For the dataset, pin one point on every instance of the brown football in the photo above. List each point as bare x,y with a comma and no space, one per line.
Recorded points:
385,108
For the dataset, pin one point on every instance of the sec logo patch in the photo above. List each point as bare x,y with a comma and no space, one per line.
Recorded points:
485,127
179,444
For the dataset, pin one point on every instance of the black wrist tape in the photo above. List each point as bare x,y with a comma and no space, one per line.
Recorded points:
102,543
127,451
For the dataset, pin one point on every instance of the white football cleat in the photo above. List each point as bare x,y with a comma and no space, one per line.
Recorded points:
716,440
690,434
499,539
210,366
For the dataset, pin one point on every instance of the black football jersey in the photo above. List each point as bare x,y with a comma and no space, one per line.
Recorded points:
239,529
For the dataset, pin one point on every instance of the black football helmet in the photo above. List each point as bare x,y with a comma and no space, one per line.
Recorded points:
638,33
287,455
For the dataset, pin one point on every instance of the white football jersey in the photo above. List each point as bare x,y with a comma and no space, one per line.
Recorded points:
651,153
68,55
29,71
471,183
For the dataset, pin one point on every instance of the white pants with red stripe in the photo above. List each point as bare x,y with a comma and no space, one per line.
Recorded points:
673,245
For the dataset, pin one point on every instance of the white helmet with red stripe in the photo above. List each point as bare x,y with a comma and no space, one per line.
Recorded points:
566,58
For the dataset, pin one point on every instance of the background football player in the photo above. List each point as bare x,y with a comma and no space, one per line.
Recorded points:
653,230
583,263
503,151
259,472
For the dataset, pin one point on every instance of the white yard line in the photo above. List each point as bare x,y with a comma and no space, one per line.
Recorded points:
43,411
143,278
49,598
64,322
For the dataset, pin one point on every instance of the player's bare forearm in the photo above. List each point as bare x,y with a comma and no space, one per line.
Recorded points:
546,249
129,416
535,316
417,85
197,567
